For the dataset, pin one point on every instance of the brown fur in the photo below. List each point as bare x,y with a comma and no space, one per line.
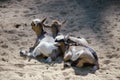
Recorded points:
55,27
62,47
38,30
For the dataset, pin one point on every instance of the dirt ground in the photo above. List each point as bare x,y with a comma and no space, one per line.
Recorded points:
96,20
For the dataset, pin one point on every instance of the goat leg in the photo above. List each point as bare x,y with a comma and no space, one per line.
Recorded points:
48,60
66,65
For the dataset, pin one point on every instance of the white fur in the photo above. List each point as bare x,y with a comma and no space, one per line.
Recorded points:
76,55
81,41
73,53
84,54
46,44
59,37
44,48
36,21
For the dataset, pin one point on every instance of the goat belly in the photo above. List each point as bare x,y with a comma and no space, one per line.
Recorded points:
47,48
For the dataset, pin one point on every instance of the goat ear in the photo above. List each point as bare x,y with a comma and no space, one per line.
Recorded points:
63,22
44,20
32,24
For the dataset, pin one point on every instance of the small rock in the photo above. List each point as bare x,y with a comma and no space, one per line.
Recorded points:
17,25
3,59
25,24
118,49
4,46
3,54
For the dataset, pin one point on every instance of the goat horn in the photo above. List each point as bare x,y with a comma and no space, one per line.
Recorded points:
67,36
44,20
47,26
64,22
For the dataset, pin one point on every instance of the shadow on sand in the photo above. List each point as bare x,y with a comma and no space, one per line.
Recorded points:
78,71
4,0
83,71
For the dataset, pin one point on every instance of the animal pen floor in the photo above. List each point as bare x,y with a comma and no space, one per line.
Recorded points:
96,20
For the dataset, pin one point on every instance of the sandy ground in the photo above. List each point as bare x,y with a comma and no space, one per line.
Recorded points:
96,20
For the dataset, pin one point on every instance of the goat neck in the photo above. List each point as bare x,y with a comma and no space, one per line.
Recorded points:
40,32
63,47
55,30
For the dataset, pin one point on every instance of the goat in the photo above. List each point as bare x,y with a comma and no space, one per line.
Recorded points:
77,57
47,40
82,57
65,40
37,27
46,44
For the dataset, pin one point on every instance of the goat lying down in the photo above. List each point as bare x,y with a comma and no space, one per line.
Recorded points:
85,56
78,57
47,49
45,44
38,27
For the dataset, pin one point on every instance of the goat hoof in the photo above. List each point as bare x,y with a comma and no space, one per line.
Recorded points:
67,65
23,53
95,68
48,60
29,59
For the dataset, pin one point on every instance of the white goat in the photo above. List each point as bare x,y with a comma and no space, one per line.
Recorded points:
38,28
81,57
78,57
46,44
48,49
